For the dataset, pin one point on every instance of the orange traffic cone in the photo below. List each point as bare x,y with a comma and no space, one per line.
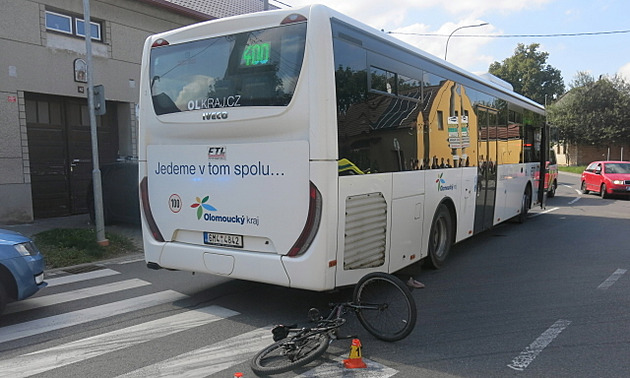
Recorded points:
355,361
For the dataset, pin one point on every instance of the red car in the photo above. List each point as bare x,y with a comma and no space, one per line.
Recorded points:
607,178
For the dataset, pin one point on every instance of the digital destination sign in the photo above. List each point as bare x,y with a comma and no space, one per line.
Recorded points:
257,54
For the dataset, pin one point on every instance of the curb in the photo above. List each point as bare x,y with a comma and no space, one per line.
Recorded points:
88,267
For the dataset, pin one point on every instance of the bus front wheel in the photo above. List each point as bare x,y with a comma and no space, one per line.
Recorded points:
440,237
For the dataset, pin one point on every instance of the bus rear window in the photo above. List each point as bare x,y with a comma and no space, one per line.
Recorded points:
257,68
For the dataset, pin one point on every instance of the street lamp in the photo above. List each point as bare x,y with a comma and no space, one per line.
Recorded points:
459,28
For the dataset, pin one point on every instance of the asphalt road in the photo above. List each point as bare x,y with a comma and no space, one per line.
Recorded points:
547,298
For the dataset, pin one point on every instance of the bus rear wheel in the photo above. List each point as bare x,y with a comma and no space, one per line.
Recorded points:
552,189
525,204
440,237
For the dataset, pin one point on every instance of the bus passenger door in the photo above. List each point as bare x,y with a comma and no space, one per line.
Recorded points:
486,168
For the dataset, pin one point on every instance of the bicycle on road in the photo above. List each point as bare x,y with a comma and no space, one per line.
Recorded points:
382,303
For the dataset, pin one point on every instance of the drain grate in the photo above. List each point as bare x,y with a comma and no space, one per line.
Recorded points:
83,269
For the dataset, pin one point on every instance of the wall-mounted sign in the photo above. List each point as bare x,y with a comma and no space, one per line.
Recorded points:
80,70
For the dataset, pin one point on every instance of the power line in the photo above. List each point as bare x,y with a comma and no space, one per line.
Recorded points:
515,35
581,34
280,2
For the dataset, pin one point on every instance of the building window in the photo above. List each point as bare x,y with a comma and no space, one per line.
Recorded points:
73,25
95,31
440,120
59,22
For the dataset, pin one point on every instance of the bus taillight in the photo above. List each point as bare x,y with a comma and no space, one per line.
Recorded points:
293,18
312,223
160,42
148,215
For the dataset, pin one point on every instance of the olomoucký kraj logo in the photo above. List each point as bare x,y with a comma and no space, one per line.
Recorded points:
201,204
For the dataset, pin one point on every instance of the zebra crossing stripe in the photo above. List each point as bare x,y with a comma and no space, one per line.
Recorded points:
52,323
334,368
70,296
211,359
80,277
80,350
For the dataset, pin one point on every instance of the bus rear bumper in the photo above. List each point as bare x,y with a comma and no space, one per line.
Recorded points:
238,264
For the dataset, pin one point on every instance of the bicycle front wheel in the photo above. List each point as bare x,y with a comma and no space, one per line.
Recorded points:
290,353
386,308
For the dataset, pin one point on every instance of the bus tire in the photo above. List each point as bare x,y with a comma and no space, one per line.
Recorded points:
440,237
552,189
525,203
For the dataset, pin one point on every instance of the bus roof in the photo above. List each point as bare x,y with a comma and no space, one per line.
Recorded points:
275,16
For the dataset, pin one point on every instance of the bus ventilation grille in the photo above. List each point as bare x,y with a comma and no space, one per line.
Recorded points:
365,233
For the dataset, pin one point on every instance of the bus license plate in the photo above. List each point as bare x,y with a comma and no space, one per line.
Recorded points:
225,240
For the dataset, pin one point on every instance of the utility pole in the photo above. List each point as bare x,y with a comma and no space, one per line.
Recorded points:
96,171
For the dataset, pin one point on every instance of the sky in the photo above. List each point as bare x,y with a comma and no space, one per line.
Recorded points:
603,54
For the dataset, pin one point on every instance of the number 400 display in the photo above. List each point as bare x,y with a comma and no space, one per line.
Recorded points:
256,55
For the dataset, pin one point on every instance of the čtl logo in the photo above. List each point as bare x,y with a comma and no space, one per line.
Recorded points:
217,152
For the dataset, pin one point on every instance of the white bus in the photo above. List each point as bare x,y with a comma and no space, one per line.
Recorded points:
301,148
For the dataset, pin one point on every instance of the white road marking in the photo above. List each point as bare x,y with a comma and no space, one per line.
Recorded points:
526,357
225,354
72,278
131,261
544,212
81,350
612,279
211,359
336,369
52,323
69,296
577,191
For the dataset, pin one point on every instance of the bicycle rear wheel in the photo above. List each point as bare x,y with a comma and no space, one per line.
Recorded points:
386,308
290,353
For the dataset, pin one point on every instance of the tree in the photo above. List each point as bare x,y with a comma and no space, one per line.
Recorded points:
595,112
530,75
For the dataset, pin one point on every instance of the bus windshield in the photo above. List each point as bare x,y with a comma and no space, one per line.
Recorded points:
256,68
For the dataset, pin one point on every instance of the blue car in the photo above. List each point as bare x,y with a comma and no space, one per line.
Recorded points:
21,268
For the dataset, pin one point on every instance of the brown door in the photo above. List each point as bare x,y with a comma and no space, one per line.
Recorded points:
60,152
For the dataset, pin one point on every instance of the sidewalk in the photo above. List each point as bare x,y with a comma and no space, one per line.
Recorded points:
133,232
